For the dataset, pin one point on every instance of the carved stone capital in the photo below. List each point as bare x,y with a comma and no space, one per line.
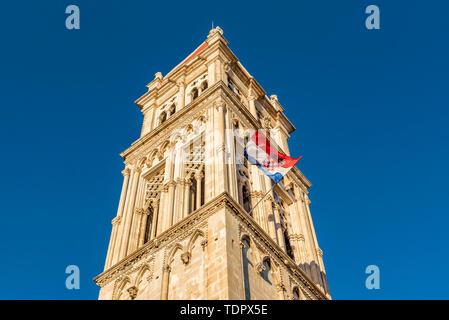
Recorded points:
167,268
251,94
220,105
139,211
199,176
133,292
260,268
185,257
181,83
220,148
125,172
171,183
319,252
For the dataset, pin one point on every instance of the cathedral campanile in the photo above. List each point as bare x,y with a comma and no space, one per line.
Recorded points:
184,227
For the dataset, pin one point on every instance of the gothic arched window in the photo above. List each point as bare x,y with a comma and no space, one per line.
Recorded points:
267,270
192,195
194,94
163,117
172,110
295,293
203,183
204,86
148,225
288,247
246,197
285,233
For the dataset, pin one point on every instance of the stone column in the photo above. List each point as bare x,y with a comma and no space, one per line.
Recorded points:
133,242
116,225
181,93
210,155
211,73
297,241
198,178
170,199
252,103
165,282
129,212
154,117
221,178
230,158
166,217
310,244
186,198
162,209
318,260
178,173
143,227
155,219
179,194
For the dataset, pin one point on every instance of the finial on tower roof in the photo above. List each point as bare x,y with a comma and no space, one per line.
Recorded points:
215,30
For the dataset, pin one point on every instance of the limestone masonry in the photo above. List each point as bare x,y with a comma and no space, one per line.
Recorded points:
183,228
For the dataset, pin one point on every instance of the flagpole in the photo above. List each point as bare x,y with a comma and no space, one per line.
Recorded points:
262,198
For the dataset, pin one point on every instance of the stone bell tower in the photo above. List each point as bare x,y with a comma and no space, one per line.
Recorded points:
183,228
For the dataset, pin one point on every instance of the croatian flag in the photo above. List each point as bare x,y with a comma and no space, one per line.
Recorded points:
274,164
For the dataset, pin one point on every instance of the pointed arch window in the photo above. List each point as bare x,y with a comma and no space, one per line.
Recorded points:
267,270
163,117
194,93
204,86
149,221
295,293
192,195
246,198
285,231
172,110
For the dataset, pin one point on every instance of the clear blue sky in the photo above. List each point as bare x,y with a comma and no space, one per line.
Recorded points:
370,108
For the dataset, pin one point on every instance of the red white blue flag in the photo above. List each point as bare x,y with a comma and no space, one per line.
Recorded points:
273,163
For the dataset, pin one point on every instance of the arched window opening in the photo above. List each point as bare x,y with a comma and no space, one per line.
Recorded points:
288,246
204,86
163,117
267,270
194,94
203,182
172,110
246,198
295,293
148,225
192,195
285,233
